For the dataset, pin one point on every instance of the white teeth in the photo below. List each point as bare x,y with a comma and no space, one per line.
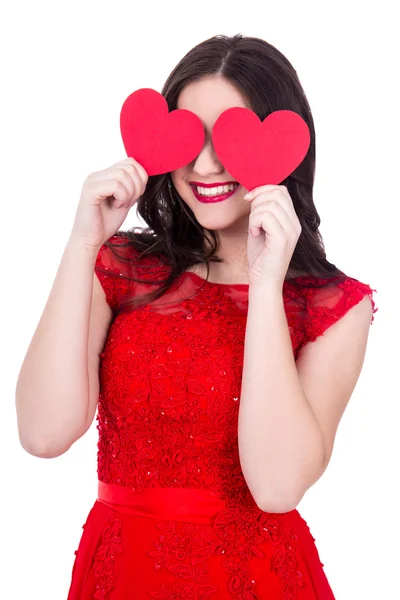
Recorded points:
215,191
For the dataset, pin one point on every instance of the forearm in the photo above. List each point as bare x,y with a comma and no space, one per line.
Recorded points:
281,444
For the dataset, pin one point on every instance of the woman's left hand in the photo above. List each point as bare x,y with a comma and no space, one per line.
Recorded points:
277,228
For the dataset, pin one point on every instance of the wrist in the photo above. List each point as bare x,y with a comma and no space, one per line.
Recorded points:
76,241
270,289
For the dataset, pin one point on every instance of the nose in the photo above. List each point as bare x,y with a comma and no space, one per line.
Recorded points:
207,161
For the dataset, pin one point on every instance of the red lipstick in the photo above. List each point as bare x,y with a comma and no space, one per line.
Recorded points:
217,198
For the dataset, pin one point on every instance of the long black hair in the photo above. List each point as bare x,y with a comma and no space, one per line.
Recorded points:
268,82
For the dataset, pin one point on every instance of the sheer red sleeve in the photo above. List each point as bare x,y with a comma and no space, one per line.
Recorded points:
107,271
325,306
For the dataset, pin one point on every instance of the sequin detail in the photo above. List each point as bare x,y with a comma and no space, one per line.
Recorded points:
105,557
170,379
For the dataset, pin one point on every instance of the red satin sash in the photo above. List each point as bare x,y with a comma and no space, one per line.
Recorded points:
177,504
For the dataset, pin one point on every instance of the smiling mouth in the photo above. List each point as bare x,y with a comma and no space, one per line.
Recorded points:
210,190
213,192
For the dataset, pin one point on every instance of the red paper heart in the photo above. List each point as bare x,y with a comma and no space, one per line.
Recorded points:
260,152
159,140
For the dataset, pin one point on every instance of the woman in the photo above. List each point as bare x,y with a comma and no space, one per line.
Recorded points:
219,394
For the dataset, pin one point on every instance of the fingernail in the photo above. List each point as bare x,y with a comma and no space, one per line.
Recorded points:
248,196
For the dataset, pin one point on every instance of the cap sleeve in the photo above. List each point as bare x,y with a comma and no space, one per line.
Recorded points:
107,271
325,306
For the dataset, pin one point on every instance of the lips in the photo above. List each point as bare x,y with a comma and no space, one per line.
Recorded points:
215,198
214,184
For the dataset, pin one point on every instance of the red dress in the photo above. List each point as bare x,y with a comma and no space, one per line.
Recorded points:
174,518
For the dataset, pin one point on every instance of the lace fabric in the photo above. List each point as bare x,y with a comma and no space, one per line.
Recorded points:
170,378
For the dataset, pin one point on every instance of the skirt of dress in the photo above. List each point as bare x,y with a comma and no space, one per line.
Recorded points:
187,544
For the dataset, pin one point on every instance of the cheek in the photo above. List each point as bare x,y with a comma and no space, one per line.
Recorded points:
178,178
178,175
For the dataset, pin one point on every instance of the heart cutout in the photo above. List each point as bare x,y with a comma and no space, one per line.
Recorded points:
259,152
161,141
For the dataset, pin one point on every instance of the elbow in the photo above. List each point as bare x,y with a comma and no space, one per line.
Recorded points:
288,494
48,447
281,502
49,444
42,450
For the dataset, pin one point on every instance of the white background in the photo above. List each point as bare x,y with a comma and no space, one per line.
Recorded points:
66,70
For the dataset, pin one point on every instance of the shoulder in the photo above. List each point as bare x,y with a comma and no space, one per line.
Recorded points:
324,306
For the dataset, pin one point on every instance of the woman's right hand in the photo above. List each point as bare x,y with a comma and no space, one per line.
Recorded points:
105,201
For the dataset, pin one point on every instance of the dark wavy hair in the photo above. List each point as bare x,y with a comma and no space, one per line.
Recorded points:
268,82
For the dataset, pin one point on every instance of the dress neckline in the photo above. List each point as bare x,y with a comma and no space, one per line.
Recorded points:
242,286
196,276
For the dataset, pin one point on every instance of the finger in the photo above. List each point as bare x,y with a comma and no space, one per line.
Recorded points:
122,174
138,183
139,168
113,190
268,223
258,190
282,199
125,173
286,192
268,188
142,174
280,214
